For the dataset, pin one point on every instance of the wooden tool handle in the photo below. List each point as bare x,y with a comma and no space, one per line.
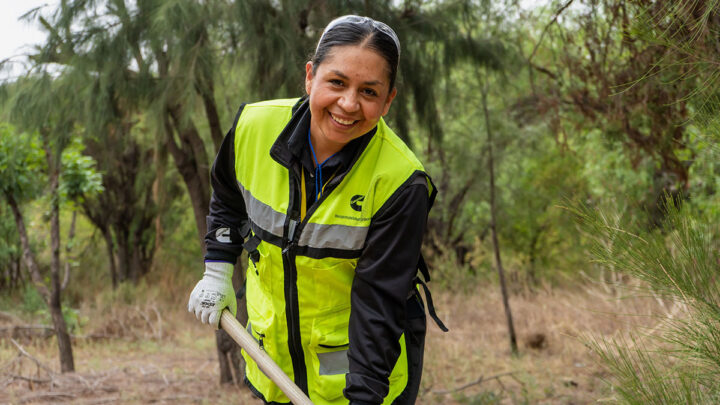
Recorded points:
266,364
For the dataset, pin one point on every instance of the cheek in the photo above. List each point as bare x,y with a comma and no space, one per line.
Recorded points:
373,111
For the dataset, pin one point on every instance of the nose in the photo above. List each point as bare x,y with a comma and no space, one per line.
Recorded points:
349,101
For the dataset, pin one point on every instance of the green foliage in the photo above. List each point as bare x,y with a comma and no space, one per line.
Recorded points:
78,178
678,262
22,161
33,304
10,249
32,301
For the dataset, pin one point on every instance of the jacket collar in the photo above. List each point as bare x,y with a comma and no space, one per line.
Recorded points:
298,124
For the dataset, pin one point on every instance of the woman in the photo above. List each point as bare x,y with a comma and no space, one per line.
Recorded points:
333,206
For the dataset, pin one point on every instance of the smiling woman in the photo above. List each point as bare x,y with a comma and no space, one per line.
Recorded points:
331,206
349,92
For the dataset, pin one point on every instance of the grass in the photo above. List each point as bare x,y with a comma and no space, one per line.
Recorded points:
154,351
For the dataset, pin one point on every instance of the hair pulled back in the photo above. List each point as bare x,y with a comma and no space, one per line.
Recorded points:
357,30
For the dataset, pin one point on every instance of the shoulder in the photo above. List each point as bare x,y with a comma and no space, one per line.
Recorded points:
278,103
266,109
395,150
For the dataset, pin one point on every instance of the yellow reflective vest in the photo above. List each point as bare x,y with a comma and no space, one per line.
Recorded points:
298,289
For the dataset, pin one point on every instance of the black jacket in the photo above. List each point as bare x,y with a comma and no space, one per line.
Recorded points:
385,270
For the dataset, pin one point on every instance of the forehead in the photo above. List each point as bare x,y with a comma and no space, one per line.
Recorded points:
356,61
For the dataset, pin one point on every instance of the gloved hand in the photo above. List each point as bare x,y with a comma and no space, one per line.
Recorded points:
213,293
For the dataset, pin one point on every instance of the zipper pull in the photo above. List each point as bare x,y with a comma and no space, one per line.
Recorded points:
291,230
292,226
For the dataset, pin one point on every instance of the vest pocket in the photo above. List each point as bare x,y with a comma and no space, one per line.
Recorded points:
329,346
257,335
259,287
265,334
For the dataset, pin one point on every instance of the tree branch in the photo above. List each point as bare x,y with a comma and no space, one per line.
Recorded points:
547,27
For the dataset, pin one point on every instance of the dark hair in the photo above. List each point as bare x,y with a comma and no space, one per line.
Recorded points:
356,30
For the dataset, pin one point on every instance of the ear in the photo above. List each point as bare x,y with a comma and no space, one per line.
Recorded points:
389,100
308,77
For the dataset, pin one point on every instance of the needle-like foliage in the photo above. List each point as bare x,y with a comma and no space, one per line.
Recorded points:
680,360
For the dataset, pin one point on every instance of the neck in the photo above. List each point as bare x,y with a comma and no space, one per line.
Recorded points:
323,148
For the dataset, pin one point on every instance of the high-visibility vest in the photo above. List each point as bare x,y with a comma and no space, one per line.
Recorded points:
298,289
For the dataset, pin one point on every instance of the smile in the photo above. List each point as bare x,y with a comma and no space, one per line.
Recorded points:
342,121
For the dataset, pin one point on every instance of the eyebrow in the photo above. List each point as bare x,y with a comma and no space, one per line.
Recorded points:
370,83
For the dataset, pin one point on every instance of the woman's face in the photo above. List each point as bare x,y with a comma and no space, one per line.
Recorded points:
349,92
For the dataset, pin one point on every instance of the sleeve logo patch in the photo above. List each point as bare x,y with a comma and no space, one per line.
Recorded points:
356,202
223,235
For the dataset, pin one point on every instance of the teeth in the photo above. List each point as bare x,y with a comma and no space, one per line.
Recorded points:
342,121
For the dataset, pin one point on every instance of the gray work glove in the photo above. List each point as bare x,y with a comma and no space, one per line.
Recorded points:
213,293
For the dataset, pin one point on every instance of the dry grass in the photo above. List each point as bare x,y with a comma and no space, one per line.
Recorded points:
156,353
554,365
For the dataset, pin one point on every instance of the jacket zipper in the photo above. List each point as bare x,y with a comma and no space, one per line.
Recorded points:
294,228
292,312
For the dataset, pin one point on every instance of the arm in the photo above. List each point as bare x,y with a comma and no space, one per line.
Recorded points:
224,239
228,218
383,280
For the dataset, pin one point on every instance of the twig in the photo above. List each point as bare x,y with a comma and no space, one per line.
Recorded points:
46,395
9,317
6,383
159,322
476,382
29,356
28,379
30,331
11,362
147,320
547,27
103,401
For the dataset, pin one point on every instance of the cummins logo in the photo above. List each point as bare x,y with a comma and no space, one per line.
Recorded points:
356,202
223,235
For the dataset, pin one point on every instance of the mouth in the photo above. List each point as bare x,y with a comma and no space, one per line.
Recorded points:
341,121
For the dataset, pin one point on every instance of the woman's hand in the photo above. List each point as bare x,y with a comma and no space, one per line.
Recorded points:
213,293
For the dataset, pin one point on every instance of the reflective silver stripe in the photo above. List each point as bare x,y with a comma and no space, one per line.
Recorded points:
333,236
262,214
334,362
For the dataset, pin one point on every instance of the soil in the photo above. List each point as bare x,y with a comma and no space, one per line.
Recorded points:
146,358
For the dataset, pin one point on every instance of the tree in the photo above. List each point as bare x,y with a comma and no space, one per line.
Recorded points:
678,260
493,217
154,56
678,263
599,73
31,163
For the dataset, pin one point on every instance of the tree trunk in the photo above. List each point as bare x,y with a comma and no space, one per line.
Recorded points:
191,162
493,225
68,249
30,262
123,256
52,299
111,256
232,364
67,364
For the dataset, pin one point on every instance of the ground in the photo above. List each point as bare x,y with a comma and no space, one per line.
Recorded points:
138,356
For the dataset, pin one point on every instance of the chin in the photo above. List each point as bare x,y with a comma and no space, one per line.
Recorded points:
341,139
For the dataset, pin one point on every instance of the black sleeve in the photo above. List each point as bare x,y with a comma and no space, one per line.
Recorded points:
383,280
227,220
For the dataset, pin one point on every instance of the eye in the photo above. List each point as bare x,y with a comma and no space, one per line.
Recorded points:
336,82
369,92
